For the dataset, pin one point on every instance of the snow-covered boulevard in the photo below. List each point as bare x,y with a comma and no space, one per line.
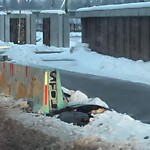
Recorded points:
117,129
122,96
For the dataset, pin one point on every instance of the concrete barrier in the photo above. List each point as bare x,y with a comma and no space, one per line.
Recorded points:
39,84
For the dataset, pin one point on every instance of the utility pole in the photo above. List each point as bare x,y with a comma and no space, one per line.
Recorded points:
88,3
52,4
19,24
65,4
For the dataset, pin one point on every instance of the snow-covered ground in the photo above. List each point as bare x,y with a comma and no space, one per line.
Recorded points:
81,59
110,126
109,130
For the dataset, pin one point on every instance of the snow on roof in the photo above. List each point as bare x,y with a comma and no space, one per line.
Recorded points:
22,12
119,6
53,11
2,13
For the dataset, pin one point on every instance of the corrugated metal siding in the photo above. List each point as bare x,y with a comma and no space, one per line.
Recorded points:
118,36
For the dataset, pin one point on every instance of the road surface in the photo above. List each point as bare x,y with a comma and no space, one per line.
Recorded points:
122,96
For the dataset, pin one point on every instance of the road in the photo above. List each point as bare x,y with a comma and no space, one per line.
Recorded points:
122,96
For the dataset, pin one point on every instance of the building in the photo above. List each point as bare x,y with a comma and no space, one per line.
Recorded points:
118,30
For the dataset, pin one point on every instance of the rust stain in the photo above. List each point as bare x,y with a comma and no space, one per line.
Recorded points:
34,88
17,70
2,79
7,90
3,65
11,69
30,88
27,71
37,89
20,90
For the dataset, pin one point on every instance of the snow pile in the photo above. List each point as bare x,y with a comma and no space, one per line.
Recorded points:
79,58
111,125
22,12
78,97
119,130
2,13
53,11
22,53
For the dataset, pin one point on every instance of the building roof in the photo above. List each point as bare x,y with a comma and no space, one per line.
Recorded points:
128,9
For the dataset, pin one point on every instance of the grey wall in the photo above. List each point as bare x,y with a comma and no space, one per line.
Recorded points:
6,30
55,29
118,36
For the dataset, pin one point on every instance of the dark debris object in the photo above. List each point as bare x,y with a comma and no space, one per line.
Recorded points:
85,108
78,114
77,118
4,58
146,137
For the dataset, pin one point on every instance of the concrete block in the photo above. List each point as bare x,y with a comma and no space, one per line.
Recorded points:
41,85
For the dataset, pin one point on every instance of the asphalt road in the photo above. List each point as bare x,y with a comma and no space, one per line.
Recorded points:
122,96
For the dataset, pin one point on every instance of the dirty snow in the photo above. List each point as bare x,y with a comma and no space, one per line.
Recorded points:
109,130
80,59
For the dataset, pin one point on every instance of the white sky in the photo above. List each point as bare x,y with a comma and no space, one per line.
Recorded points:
109,126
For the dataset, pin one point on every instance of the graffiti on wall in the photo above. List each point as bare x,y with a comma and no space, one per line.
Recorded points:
36,84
